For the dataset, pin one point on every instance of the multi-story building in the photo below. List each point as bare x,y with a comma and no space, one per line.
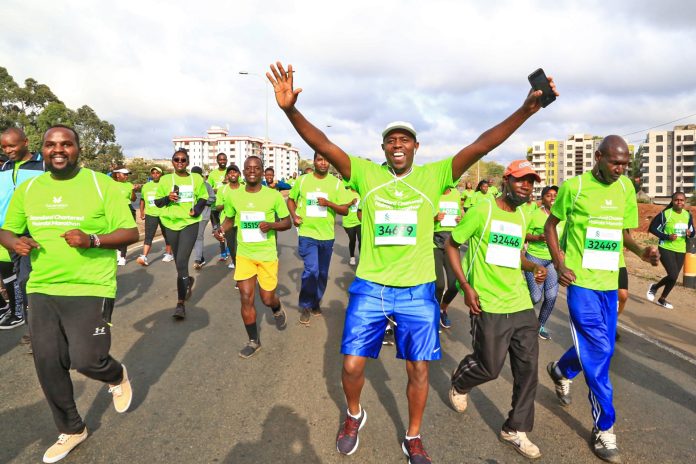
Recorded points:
668,161
283,158
545,156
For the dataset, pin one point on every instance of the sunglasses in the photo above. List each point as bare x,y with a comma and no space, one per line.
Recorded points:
179,160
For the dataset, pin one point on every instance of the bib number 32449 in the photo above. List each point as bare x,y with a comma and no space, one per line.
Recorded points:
395,227
602,247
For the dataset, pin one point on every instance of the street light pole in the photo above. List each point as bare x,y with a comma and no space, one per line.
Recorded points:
247,73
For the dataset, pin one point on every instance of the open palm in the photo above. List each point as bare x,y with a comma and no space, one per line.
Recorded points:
281,80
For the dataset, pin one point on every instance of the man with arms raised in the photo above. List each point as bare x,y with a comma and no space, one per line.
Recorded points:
76,218
395,277
599,208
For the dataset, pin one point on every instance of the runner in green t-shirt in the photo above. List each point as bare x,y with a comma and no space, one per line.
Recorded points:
468,196
351,223
216,179
482,192
149,214
125,189
254,209
492,189
502,314
448,216
181,197
599,208
313,202
232,183
76,218
396,271
672,226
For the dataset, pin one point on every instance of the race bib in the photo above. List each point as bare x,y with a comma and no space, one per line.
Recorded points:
395,227
250,221
151,199
185,194
451,210
680,229
602,248
313,208
504,244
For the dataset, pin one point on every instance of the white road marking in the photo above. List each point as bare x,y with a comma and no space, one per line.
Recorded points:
658,343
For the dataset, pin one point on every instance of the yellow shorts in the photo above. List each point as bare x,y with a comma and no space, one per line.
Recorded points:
266,272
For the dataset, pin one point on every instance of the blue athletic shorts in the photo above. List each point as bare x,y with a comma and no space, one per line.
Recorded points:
414,310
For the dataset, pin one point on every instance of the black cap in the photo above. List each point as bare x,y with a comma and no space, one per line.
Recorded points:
232,167
546,189
197,170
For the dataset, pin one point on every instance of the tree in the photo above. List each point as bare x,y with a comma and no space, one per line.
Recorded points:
140,169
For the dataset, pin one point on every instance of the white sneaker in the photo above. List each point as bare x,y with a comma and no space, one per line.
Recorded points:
650,294
230,266
665,304
352,261
142,260
65,444
521,443
167,258
121,261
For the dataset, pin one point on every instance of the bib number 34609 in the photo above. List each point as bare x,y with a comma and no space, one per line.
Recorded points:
395,227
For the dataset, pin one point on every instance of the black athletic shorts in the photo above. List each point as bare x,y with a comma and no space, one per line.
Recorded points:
623,278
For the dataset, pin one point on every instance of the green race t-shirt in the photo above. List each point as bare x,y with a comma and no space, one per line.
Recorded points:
175,216
148,193
480,196
351,219
676,223
221,199
317,221
537,220
595,215
397,220
493,190
468,196
216,178
249,209
449,204
492,263
91,202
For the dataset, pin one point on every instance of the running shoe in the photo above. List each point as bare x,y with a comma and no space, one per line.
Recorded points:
179,312
223,256
305,316
197,266
65,444
231,265
189,289
122,393
603,445
561,383
347,441
664,303
316,311
650,294
521,444
281,319
352,261
5,312
445,320
142,260
459,401
121,261
167,258
413,449
250,349
11,322
544,334
388,337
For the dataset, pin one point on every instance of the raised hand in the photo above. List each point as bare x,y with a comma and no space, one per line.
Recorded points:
282,82
532,103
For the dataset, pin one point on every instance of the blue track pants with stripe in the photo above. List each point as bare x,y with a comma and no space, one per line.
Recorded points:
593,318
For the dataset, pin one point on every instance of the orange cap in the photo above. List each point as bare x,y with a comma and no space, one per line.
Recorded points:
521,168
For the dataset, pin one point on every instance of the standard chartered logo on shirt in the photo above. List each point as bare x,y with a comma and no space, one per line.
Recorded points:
56,203
56,220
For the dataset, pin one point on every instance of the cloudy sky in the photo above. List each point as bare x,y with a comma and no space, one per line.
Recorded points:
160,69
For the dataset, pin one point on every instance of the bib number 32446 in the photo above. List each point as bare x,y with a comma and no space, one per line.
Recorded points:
504,244
395,227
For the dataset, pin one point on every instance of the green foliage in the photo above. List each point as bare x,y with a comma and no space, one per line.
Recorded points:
484,170
34,108
140,170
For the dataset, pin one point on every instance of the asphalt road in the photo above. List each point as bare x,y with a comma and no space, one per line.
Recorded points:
195,400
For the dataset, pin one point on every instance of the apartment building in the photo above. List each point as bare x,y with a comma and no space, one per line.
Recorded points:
668,161
544,156
202,151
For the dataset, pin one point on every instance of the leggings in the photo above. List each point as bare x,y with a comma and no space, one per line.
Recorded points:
353,233
151,224
182,242
673,262
442,268
198,247
11,283
549,289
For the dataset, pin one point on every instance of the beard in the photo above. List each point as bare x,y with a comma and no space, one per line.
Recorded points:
63,172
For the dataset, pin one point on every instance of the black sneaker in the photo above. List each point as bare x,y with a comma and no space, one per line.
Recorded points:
179,312
347,441
415,452
11,322
250,349
189,289
5,313
388,337
561,383
603,445
305,316
316,311
281,319
445,320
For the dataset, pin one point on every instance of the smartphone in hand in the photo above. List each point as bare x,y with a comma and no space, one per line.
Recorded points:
539,81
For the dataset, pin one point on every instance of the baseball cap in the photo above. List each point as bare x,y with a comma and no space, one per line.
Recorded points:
545,190
156,168
403,125
232,167
521,168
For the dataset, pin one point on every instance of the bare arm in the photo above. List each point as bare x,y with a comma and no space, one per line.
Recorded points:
496,135
565,276
647,254
286,97
278,226
471,298
292,207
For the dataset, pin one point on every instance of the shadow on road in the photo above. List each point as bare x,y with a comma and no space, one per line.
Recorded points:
151,355
285,438
138,282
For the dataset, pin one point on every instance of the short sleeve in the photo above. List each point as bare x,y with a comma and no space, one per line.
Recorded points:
230,210
162,187
201,189
280,207
119,215
470,223
564,201
358,168
295,190
442,172
630,220
16,219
